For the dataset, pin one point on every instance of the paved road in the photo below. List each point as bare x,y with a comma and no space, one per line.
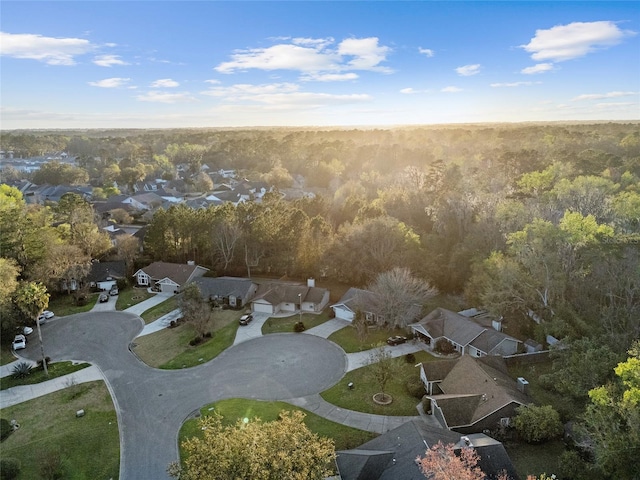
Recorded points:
152,404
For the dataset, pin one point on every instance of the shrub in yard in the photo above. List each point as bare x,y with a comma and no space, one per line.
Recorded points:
537,424
39,365
21,370
9,468
195,341
415,387
5,428
444,346
410,358
299,327
51,466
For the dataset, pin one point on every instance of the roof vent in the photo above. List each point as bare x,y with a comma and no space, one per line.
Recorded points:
467,441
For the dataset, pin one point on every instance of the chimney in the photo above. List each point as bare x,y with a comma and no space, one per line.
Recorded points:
311,282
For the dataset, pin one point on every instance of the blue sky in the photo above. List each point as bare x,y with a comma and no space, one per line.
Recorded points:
154,64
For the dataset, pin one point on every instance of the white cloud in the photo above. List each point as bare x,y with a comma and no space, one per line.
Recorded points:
408,91
615,104
115,82
599,96
426,51
329,77
165,83
539,68
468,70
108,60
366,52
577,39
53,51
311,56
245,90
280,95
512,84
451,89
157,96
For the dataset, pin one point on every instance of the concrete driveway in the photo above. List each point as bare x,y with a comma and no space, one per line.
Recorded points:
152,404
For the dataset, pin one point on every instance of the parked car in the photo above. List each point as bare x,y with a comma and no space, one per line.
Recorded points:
27,330
246,319
19,342
46,315
114,291
103,298
396,340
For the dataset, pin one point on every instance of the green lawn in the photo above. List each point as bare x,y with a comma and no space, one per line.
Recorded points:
360,397
63,305
285,325
6,356
192,356
169,348
535,459
154,313
57,369
347,338
131,296
234,409
88,446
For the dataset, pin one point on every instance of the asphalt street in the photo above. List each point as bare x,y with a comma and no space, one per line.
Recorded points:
152,404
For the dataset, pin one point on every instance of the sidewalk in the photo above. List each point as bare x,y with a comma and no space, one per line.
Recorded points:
140,308
161,323
363,421
325,329
362,359
15,395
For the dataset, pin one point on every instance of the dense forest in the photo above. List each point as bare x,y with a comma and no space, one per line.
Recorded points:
529,221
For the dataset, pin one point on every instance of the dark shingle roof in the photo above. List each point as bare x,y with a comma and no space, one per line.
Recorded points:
485,378
101,270
178,272
223,286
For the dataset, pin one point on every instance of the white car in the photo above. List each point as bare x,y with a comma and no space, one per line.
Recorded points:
46,315
19,342
27,330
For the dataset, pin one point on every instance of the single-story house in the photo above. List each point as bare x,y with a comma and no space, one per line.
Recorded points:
280,297
392,455
467,336
470,395
356,299
232,291
168,277
104,275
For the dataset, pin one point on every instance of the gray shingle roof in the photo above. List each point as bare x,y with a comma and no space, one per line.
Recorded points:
223,286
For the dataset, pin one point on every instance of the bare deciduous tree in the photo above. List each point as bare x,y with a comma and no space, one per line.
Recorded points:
400,296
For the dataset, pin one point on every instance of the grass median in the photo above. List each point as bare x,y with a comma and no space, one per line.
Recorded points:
236,408
285,324
51,434
360,398
57,369
169,348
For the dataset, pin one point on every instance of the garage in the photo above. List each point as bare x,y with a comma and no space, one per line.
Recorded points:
167,286
262,307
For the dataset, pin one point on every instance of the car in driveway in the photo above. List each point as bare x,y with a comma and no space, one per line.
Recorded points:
103,298
46,315
246,319
114,291
19,342
396,340
26,330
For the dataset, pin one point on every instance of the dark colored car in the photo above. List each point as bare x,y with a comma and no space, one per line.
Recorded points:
103,298
396,340
246,319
